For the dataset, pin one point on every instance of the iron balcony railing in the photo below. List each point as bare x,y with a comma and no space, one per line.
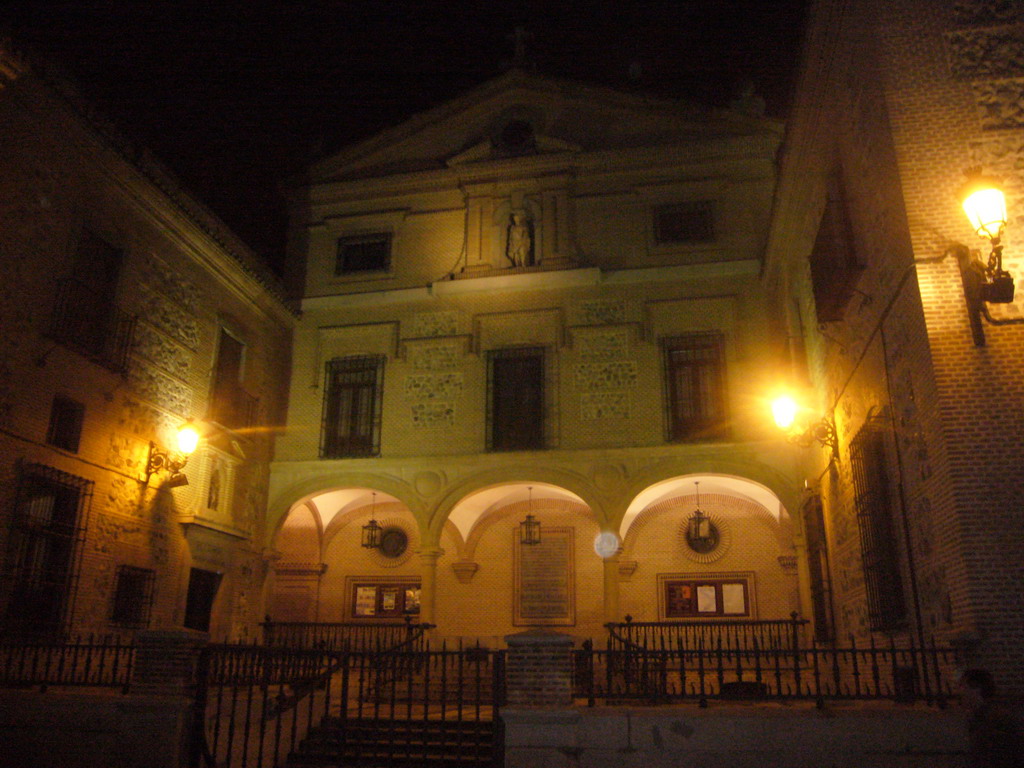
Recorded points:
235,408
92,325
98,662
751,672
343,635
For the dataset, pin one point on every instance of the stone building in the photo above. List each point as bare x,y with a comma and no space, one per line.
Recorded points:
127,311
540,299
918,518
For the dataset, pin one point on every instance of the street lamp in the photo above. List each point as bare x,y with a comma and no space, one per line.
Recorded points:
372,530
984,203
529,529
161,460
823,431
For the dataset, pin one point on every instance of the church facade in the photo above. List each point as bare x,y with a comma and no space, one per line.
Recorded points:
538,300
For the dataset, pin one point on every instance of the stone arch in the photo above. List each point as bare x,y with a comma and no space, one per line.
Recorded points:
520,475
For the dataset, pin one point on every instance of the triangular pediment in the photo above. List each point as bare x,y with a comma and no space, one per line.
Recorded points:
521,114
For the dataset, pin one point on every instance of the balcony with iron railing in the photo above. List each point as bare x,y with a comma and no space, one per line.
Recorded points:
89,323
233,407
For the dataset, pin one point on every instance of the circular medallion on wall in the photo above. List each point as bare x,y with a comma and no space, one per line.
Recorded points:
394,549
711,546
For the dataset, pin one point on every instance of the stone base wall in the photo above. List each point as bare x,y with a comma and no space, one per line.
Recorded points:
93,730
752,736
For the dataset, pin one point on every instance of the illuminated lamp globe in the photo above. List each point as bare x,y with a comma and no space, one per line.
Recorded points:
784,410
985,205
188,439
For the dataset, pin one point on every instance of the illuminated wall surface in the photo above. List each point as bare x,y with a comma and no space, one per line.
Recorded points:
537,299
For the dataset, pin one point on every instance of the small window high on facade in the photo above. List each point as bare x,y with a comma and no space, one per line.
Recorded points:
65,430
689,222
363,253
695,386
515,399
352,402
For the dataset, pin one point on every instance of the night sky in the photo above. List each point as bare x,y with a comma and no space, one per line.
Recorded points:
236,96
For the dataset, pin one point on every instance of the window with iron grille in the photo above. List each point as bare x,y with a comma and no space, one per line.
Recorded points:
133,596
835,268
41,565
695,386
878,543
363,253
353,391
689,222
65,428
515,396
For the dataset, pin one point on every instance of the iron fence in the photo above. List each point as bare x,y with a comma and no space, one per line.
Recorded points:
750,672
256,705
99,662
778,634
342,635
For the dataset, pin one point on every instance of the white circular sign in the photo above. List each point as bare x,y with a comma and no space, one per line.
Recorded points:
606,544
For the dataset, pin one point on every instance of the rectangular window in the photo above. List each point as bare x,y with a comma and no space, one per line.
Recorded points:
385,601
879,552
515,399
363,253
85,314
65,428
687,599
41,565
133,596
689,222
202,590
835,268
695,387
352,403
230,405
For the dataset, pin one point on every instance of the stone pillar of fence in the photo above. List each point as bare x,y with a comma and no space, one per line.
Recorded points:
538,670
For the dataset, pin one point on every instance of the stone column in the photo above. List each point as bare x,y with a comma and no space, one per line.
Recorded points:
428,583
611,588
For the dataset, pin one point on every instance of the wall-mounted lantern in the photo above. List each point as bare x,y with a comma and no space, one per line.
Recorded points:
985,205
160,460
529,529
821,431
372,530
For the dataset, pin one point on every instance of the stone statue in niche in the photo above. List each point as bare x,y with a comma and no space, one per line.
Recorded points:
520,240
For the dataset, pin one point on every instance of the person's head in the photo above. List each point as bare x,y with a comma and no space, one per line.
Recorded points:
977,686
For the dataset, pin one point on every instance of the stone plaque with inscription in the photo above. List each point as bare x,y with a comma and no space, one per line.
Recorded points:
545,585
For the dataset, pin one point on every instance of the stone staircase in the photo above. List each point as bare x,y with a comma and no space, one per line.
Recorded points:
400,743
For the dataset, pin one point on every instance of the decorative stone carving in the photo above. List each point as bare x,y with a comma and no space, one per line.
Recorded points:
626,569
110,532
606,376
724,530
434,324
600,312
443,356
788,564
1000,103
465,570
519,243
160,389
142,421
169,318
161,279
124,497
608,477
161,351
611,344
605,405
427,483
986,11
986,53
425,386
433,414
